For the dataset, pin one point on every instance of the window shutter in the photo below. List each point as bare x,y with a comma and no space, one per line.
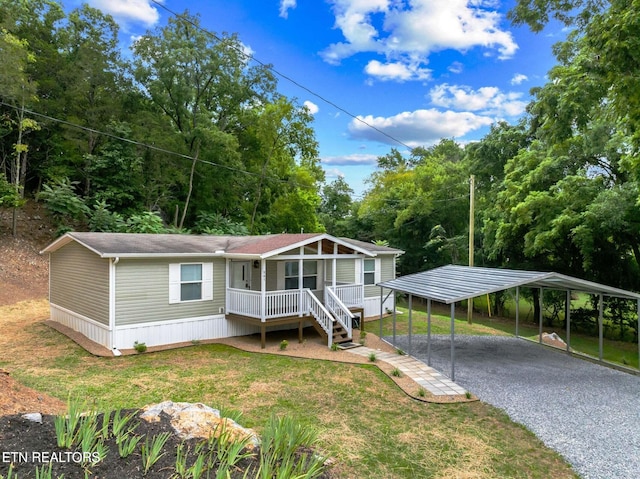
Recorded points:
378,271
174,283
207,281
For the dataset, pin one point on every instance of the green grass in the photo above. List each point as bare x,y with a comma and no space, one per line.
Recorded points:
365,422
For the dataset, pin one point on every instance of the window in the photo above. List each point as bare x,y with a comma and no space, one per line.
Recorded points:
190,282
309,274
369,271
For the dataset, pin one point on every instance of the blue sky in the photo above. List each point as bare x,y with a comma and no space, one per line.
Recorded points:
419,70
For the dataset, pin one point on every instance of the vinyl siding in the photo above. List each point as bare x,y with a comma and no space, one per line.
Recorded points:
387,272
142,292
346,271
79,282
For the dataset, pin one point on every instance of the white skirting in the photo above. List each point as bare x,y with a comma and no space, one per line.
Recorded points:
95,331
180,331
372,306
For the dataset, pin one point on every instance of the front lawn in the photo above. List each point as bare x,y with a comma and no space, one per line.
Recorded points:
364,420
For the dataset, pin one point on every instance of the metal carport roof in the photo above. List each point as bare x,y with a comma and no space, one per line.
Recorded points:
450,284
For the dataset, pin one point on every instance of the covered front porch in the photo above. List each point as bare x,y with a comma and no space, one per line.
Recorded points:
319,284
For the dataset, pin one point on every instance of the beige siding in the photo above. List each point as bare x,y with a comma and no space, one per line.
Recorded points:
79,282
272,275
387,272
142,291
346,271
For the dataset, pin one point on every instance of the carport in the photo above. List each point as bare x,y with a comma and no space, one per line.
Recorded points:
451,284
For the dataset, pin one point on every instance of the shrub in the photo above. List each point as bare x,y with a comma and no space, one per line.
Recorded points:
139,347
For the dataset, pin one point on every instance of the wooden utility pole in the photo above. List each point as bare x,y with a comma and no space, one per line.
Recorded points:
472,182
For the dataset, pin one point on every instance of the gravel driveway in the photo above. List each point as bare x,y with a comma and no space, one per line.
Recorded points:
588,413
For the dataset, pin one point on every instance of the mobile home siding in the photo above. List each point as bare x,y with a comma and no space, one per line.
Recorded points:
79,282
346,271
142,292
387,272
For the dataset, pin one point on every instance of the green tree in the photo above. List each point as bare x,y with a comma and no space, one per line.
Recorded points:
336,208
202,84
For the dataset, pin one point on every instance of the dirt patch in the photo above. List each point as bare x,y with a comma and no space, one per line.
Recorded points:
24,273
16,398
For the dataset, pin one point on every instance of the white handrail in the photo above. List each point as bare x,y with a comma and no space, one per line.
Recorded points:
340,311
318,311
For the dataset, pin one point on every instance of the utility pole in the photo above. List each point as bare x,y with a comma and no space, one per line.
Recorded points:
472,182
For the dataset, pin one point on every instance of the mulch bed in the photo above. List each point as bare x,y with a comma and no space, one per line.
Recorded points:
25,444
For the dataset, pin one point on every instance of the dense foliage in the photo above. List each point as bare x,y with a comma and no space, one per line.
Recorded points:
186,133
181,132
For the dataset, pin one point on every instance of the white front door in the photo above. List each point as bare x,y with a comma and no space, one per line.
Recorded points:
240,275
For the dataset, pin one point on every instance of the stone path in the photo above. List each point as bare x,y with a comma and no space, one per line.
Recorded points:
425,376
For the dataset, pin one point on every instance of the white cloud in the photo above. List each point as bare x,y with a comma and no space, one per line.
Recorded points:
333,173
487,100
312,107
355,159
518,78
408,32
285,6
456,67
126,12
396,71
417,128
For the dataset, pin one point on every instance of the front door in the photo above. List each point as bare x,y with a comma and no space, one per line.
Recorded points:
240,275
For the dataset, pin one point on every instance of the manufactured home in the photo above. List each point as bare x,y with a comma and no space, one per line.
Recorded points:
162,289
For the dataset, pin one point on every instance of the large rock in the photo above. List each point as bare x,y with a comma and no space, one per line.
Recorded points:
197,420
552,339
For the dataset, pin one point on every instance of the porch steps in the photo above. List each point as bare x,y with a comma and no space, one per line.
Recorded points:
340,335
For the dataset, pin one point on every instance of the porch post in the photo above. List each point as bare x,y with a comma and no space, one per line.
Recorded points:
227,278
300,278
263,290
335,264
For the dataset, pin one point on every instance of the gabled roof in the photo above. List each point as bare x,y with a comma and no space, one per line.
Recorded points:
449,284
133,245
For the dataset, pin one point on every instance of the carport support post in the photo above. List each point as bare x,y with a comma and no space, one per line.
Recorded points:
540,318
453,349
429,330
517,309
410,328
567,317
381,293
394,325
600,326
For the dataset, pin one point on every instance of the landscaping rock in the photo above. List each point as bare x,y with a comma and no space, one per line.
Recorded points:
33,417
198,420
552,339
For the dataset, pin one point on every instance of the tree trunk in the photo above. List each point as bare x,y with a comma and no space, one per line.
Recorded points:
536,305
186,203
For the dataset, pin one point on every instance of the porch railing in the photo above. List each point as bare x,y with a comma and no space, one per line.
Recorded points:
340,311
277,303
352,295
318,311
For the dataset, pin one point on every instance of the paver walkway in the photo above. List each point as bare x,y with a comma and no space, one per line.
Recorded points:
425,376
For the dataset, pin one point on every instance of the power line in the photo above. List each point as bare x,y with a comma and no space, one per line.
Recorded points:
284,76
148,146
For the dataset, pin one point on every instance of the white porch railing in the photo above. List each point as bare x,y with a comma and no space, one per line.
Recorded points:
295,302
318,311
339,310
352,295
277,303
